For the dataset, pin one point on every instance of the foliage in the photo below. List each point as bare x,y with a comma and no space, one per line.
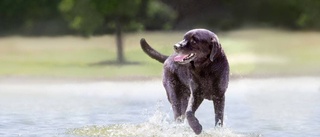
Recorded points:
101,16
81,15
309,19
228,14
25,17
159,16
89,17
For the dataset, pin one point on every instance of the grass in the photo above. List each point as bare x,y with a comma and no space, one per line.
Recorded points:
251,52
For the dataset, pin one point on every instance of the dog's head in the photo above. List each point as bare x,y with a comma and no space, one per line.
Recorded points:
198,45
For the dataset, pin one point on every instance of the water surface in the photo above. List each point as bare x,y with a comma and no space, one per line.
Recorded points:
286,107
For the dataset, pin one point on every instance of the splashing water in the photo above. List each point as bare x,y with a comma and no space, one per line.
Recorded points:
157,125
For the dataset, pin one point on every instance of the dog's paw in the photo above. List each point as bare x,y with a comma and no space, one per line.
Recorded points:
180,119
197,129
194,123
219,123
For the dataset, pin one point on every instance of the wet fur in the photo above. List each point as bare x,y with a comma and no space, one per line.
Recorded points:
205,77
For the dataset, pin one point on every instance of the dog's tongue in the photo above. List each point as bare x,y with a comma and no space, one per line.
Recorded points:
179,57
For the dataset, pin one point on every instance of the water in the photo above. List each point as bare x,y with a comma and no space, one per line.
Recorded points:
286,107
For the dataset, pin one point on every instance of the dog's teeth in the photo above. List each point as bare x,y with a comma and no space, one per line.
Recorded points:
188,57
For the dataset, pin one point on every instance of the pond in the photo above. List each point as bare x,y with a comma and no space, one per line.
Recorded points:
286,107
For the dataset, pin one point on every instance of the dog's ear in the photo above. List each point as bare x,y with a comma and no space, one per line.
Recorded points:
216,48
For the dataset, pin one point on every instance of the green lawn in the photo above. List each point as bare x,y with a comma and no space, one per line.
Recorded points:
251,52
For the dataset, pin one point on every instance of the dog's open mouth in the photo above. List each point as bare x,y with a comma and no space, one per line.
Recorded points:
184,58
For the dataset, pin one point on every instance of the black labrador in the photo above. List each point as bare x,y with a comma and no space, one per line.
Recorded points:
197,70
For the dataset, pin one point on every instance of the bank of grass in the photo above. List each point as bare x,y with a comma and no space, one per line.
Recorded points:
251,52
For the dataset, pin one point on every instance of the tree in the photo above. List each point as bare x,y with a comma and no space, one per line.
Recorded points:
86,16
119,14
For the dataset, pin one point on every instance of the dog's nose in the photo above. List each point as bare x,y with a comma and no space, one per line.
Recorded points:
176,46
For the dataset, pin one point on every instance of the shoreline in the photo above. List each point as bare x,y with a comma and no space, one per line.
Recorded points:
57,80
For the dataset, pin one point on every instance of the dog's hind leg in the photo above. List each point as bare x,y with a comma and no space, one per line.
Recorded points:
184,105
174,95
173,98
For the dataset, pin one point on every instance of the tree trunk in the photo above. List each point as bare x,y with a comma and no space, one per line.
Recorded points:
120,56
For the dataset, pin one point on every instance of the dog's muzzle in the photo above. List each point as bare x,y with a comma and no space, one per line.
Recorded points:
184,58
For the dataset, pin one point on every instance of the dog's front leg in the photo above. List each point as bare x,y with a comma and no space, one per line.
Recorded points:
193,103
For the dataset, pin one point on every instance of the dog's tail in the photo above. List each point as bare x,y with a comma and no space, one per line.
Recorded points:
152,52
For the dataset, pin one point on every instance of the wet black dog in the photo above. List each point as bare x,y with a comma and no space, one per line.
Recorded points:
197,70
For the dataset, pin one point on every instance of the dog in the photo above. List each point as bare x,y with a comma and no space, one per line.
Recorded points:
197,70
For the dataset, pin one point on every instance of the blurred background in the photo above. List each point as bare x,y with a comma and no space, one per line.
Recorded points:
99,39
75,67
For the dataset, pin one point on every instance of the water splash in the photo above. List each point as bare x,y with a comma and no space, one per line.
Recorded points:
158,125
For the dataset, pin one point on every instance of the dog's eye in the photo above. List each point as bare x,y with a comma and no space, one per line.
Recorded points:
194,40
